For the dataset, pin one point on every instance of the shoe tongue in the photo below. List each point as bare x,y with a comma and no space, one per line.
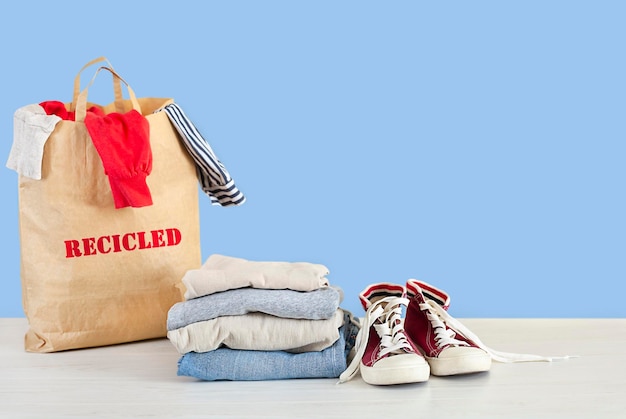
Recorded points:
375,292
426,291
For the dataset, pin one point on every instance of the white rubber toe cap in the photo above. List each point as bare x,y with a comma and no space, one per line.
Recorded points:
460,360
397,369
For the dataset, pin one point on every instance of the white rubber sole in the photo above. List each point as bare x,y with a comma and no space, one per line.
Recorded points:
460,360
396,369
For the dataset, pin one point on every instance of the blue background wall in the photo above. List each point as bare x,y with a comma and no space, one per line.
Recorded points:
478,146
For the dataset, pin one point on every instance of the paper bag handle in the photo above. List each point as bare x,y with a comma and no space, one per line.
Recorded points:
117,87
81,100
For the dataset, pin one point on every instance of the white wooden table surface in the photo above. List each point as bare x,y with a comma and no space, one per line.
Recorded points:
138,380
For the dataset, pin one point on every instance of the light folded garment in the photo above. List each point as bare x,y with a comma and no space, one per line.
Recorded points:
241,365
312,305
31,129
221,273
258,331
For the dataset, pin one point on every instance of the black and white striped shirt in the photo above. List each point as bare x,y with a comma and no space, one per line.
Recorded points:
214,179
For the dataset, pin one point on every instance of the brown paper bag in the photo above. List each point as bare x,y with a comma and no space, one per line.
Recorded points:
94,275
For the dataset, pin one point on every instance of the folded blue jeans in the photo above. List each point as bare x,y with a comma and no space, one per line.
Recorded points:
245,365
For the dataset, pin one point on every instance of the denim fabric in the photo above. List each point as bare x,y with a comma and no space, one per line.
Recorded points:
312,305
241,365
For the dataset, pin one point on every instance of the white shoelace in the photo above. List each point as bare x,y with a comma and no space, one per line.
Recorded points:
390,330
439,318
443,335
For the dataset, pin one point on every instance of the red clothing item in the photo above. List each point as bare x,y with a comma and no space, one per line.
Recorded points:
123,143
54,107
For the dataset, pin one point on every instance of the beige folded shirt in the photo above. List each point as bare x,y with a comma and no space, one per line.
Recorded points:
258,332
221,273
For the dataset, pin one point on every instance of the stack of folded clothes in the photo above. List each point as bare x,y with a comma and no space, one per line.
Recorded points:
248,320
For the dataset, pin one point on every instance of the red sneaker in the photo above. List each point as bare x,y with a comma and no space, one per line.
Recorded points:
384,355
439,336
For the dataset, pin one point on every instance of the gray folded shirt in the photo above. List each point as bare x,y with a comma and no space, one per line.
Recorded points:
313,305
